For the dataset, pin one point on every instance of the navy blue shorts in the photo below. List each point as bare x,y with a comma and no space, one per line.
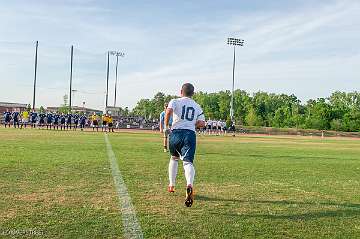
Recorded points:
182,143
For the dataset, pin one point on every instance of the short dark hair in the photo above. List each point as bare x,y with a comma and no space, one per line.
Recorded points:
188,89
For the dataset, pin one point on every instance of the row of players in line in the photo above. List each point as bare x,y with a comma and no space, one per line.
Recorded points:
55,119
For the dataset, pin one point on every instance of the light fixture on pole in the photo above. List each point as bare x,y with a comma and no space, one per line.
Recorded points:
234,42
117,54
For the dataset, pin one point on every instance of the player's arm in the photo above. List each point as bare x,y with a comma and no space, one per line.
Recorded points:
168,113
161,122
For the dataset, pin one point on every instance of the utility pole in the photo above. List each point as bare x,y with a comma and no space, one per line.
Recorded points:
107,80
235,42
117,54
71,73
35,74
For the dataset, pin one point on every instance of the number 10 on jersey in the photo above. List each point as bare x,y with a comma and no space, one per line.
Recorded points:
188,113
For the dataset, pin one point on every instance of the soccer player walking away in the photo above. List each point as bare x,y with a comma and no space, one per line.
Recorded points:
49,120
7,118
161,126
33,116
94,122
62,121
15,116
82,121
187,115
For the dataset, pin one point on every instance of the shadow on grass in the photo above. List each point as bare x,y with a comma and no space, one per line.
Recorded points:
344,209
302,157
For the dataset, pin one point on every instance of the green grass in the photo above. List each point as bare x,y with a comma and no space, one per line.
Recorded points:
60,183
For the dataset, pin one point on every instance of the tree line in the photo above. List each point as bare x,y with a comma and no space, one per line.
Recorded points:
340,111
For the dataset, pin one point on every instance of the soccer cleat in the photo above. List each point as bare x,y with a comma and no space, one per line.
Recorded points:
171,189
189,200
165,150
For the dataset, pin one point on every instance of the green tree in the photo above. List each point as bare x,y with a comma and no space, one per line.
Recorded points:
252,119
42,109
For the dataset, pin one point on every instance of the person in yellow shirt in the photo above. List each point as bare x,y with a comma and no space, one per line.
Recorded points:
24,118
94,121
110,123
104,122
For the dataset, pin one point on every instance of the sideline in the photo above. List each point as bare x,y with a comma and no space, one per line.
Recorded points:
132,228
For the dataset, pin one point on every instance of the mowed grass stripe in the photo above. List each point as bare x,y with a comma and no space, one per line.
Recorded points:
58,183
131,225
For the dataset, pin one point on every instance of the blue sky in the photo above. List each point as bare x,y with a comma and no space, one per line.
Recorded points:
307,48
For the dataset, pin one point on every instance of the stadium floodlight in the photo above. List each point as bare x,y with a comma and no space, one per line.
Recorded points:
117,54
233,42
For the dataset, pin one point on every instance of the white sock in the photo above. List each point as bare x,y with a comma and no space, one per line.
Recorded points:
189,173
173,168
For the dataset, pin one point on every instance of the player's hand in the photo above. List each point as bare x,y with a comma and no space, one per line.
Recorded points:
167,131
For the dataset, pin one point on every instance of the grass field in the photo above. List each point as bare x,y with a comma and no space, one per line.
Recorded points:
59,185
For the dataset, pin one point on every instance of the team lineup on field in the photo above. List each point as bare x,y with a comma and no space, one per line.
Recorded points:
56,120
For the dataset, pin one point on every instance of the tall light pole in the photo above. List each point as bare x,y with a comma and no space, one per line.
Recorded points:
71,73
233,42
117,54
107,80
35,73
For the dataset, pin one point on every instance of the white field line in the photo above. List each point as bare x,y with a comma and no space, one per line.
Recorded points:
131,225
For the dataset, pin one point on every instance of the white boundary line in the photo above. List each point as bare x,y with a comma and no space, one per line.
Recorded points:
132,228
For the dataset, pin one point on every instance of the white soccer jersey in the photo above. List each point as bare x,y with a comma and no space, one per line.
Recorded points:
185,113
